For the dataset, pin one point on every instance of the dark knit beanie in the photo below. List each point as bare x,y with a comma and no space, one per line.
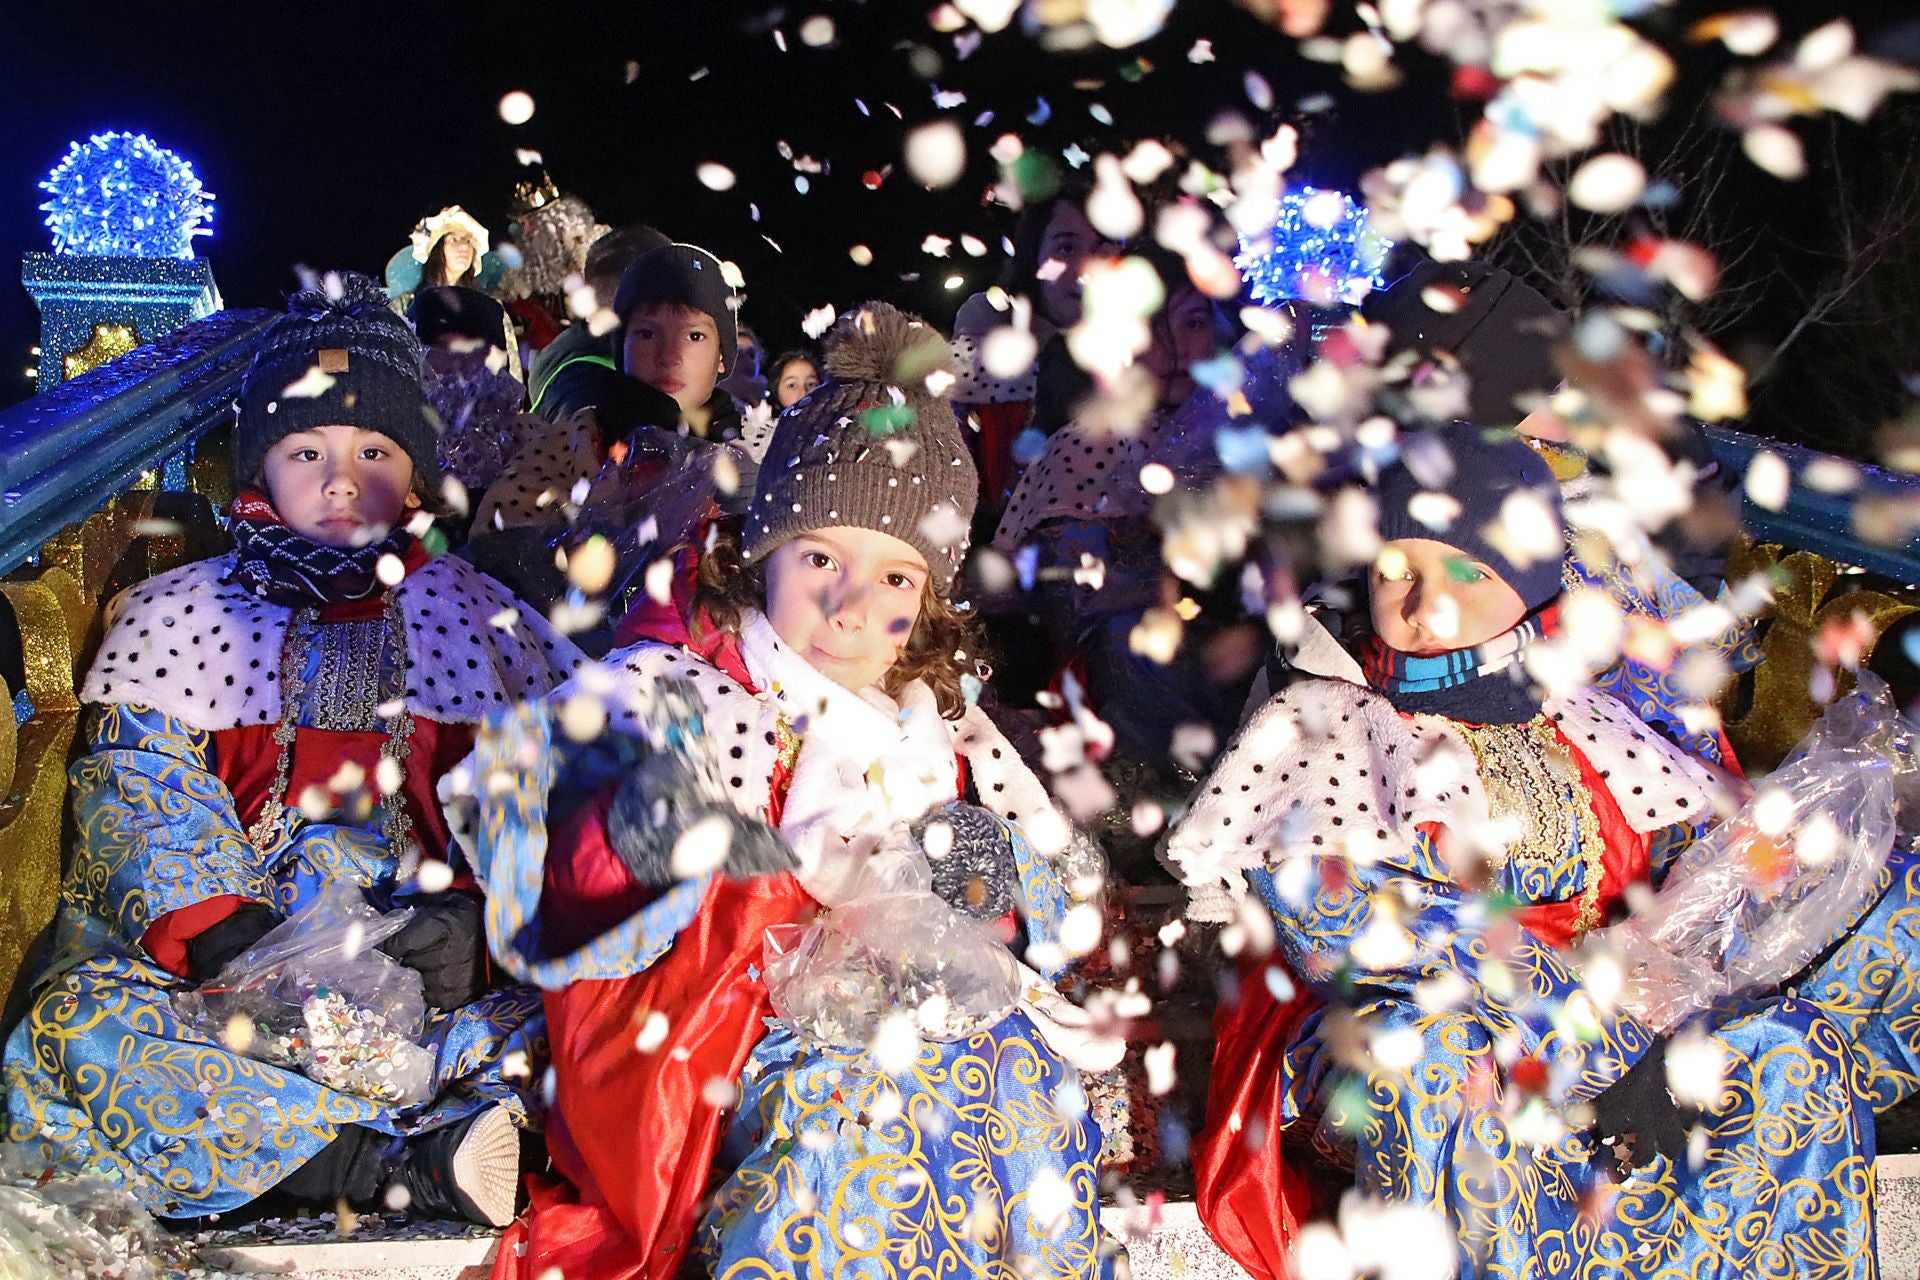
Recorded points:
872,447
1479,469
336,358
682,273
456,310
1502,333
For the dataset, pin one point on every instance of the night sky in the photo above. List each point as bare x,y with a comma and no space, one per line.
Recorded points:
326,130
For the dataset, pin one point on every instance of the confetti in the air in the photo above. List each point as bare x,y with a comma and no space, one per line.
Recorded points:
516,107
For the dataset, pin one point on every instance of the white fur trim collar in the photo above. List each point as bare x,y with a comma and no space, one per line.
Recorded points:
1329,767
205,651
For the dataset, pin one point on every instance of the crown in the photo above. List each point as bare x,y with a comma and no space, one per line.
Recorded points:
528,196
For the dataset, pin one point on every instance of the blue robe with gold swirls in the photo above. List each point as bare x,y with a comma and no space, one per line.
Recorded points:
979,1157
102,1074
1449,1055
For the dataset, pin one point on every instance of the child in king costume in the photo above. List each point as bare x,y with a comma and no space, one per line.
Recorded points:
1428,848
819,642
227,695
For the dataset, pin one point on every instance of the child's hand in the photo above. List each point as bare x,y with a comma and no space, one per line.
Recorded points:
659,801
446,944
971,854
209,951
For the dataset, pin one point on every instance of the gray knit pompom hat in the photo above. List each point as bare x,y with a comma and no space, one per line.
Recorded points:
874,447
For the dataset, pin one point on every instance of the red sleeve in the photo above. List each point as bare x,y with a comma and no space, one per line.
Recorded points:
166,938
587,889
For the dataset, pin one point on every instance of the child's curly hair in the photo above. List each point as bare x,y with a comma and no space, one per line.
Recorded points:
944,646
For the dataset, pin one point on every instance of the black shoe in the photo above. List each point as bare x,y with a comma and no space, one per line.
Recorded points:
470,1170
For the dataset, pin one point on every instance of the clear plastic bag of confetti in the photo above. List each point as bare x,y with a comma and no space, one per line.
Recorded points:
1756,899
891,949
318,996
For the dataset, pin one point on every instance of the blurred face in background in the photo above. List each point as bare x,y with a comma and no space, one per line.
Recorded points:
1065,246
457,251
797,378
1183,336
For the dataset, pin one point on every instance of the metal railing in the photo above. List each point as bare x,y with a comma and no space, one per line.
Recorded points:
1824,503
68,451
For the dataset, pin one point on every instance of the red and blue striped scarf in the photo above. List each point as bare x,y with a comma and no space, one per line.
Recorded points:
1485,684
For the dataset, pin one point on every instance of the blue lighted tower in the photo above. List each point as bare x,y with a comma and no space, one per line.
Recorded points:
124,213
1321,248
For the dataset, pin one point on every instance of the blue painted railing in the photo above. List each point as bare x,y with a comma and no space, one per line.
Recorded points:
1820,521
68,451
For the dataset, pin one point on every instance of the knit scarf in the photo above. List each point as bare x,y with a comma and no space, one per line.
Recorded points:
1485,684
290,569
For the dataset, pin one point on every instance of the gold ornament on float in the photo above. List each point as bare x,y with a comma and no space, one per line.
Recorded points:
107,342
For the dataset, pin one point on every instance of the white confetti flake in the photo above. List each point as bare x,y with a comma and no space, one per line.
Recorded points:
1696,1069
1777,149
1769,480
895,1044
435,876
583,716
936,154
817,32
1161,1074
818,321
943,526
390,570
715,177
1320,1254
1201,52
702,847
590,567
1825,47
1113,208
1772,811
516,107
653,1032
309,385
659,581
1009,352
936,246
1080,929
1611,183
989,15
1749,33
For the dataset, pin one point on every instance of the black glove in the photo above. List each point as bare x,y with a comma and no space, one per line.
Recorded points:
976,875
446,944
1635,1118
655,804
209,950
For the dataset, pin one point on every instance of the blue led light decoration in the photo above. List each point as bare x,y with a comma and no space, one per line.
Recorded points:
120,195
124,214
1321,249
